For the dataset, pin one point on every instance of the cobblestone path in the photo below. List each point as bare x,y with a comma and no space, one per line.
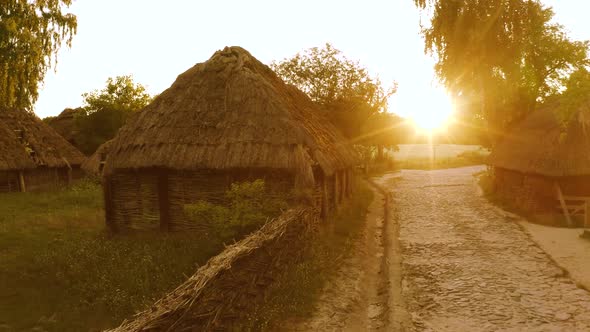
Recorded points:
467,266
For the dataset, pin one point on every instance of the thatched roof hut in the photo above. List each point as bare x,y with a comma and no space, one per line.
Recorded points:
65,123
13,156
50,148
232,113
94,164
540,159
541,145
54,158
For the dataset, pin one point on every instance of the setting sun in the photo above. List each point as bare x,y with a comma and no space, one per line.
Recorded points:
433,112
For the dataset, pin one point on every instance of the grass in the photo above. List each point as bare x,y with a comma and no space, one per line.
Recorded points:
420,156
293,295
61,271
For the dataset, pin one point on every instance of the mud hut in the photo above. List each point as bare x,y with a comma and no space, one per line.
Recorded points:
542,166
226,120
56,161
94,165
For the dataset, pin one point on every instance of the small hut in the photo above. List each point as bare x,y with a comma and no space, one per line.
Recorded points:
14,161
226,120
65,124
543,167
56,161
94,165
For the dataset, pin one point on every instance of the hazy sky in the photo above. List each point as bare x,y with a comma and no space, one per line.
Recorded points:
155,41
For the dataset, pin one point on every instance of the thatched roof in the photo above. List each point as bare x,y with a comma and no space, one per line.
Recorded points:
231,111
540,145
13,155
65,123
50,148
92,163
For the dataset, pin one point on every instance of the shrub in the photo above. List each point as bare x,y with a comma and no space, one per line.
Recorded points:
250,206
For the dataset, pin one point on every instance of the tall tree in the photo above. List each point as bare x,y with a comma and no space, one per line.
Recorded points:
31,33
342,87
106,110
499,57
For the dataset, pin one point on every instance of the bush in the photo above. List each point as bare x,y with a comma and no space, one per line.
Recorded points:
250,206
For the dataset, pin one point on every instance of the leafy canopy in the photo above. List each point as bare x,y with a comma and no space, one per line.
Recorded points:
31,33
499,58
106,110
342,87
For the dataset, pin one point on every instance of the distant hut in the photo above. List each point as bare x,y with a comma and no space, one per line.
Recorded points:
94,165
540,165
225,120
56,161
65,124
14,161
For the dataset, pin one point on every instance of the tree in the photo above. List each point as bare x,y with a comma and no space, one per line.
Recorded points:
106,111
383,130
31,33
342,87
499,57
576,96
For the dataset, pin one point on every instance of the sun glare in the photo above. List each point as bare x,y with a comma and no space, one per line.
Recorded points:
433,112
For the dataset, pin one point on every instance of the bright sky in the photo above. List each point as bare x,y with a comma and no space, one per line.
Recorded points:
157,40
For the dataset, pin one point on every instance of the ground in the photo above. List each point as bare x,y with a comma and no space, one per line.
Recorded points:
452,261
469,266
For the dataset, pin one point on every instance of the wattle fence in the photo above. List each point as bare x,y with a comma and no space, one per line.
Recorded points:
215,297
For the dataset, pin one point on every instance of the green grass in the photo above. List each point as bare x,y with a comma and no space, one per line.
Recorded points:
61,271
294,294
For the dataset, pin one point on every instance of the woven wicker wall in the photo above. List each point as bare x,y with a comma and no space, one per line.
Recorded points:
576,186
134,201
9,181
43,178
529,193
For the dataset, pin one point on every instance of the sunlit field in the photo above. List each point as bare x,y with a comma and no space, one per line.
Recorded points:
425,156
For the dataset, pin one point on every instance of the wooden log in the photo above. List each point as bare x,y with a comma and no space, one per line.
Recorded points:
325,203
108,204
587,213
21,182
563,205
163,201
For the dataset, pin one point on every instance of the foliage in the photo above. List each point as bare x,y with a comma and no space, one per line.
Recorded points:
383,130
31,33
499,57
348,93
293,294
106,110
250,206
576,96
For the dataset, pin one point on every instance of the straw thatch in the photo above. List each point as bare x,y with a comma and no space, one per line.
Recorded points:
230,112
94,164
215,297
65,123
50,149
540,145
13,155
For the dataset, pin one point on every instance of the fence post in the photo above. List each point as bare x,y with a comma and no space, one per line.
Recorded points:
163,201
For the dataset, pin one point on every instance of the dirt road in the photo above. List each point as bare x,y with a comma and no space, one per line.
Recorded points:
466,266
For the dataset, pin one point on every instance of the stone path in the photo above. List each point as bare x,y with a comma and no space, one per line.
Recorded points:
466,266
